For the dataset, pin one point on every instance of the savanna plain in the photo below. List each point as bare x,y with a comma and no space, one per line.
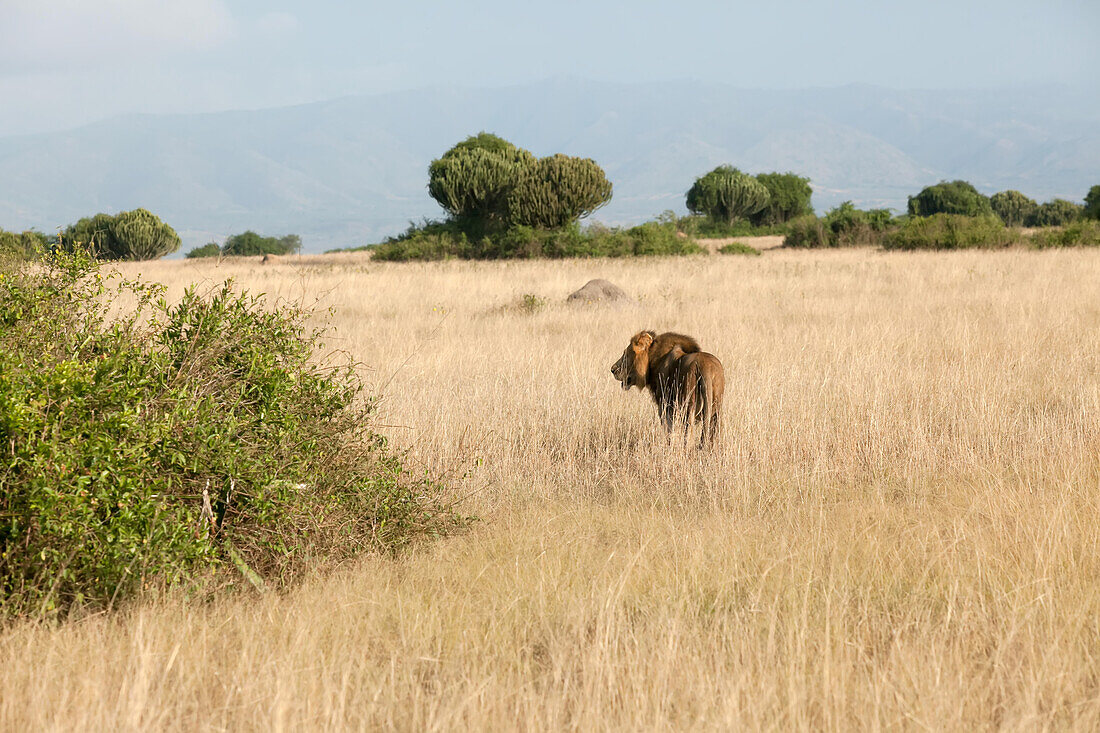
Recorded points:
898,527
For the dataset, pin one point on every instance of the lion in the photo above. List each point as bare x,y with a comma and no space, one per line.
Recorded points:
686,382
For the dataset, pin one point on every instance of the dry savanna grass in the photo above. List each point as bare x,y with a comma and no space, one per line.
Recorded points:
898,527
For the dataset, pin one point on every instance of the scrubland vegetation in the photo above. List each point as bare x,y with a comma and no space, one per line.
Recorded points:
896,528
145,445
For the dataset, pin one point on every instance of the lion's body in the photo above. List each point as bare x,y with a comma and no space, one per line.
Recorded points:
686,382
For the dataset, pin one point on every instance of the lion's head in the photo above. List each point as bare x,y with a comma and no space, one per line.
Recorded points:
632,367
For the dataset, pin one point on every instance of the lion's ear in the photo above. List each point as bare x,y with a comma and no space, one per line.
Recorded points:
642,341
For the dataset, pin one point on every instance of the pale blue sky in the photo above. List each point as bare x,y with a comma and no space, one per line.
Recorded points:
68,62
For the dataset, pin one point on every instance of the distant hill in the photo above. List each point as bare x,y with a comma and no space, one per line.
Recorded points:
353,170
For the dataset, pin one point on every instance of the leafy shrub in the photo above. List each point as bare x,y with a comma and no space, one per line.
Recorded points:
446,240
956,197
726,194
788,198
951,231
1012,207
249,243
807,232
843,226
152,448
847,226
1082,233
27,245
738,248
705,227
129,235
210,249
1055,213
1092,203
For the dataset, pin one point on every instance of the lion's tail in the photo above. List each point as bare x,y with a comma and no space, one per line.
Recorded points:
708,395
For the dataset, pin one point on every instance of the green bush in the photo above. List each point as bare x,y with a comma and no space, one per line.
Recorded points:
1055,213
807,232
847,226
153,448
25,246
1012,207
738,248
951,231
447,240
726,194
1082,233
92,234
788,198
956,197
1092,203
210,249
843,226
249,243
705,227
129,235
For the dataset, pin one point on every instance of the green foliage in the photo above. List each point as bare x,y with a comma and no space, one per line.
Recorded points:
1055,213
250,243
148,448
483,141
1081,233
726,194
141,235
1092,203
93,234
1012,207
807,232
557,191
447,240
705,227
847,226
843,226
738,248
210,249
129,235
788,198
473,179
951,231
25,246
955,197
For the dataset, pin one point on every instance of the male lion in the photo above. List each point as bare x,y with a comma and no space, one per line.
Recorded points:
686,382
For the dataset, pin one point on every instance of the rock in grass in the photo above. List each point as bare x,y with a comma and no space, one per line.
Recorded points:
601,292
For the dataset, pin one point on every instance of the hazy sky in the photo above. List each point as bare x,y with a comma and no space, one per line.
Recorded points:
67,62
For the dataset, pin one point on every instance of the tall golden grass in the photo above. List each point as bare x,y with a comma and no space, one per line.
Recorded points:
898,528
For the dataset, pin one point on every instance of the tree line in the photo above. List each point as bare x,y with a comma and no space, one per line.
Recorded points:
501,200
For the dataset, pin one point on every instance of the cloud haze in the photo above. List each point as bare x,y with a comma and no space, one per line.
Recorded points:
68,62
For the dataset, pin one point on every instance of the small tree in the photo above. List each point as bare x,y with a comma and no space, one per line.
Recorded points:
726,194
557,191
789,197
956,197
92,234
249,243
141,235
1092,203
473,179
1055,213
1013,207
210,249
24,246
129,235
